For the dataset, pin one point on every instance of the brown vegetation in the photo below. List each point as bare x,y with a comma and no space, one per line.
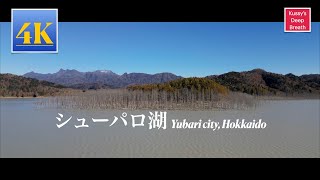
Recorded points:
18,86
153,99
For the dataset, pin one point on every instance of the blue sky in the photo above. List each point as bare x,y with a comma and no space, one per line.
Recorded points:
186,49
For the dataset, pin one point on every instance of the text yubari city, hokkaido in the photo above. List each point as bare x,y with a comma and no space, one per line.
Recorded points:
214,125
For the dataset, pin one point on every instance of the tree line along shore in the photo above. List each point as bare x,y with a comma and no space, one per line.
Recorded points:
228,91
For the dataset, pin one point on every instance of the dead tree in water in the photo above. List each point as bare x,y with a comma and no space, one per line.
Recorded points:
154,99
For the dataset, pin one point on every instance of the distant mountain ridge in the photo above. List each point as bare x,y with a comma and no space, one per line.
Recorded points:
254,82
103,77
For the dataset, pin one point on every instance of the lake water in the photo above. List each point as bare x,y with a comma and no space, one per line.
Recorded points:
28,130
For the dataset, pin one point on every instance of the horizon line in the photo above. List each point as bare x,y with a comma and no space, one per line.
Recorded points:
160,72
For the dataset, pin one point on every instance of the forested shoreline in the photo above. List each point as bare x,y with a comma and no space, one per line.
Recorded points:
228,91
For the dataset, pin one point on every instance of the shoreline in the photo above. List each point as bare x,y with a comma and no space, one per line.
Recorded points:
275,98
256,97
28,97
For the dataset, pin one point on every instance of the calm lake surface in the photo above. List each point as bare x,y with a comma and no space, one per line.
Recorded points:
28,130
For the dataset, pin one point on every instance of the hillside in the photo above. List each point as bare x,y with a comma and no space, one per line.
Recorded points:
192,84
261,82
18,86
312,80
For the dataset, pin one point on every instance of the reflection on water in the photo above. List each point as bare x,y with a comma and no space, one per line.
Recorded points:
30,131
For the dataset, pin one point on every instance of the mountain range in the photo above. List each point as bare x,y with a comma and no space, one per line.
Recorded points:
106,78
255,82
